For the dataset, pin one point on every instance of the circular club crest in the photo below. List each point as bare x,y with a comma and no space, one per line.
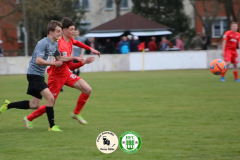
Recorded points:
130,142
107,142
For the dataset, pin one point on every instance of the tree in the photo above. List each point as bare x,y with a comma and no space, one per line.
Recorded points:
229,9
207,15
13,8
8,11
40,12
167,12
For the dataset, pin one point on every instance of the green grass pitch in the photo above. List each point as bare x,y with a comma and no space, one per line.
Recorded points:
179,114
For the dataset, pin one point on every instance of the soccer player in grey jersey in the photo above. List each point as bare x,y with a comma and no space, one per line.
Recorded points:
37,87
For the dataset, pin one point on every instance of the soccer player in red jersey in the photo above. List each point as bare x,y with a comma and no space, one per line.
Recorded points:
231,39
62,76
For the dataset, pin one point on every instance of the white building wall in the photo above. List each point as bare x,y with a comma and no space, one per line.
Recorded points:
98,15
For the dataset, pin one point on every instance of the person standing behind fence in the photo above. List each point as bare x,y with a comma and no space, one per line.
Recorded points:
123,46
197,42
164,45
92,43
77,51
135,44
179,43
109,46
152,45
1,50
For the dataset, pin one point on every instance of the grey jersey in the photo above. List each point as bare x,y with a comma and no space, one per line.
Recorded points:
44,48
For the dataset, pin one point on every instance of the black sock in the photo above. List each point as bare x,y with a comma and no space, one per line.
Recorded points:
50,115
19,105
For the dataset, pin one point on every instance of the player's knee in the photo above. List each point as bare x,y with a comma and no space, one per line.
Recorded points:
88,90
50,100
34,105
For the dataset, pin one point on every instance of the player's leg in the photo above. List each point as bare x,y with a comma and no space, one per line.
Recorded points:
235,73
49,109
55,87
235,69
33,85
78,83
86,91
227,59
34,103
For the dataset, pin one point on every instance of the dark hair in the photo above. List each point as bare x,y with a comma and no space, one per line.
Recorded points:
66,22
52,26
234,23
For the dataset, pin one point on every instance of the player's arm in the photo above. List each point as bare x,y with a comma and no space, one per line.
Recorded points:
82,45
40,61
65,59
40,49
72,66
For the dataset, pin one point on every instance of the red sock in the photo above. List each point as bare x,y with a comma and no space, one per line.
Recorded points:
80,103
38,112
235,74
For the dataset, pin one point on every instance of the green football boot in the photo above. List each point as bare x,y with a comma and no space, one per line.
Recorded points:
55,128
29,124
4,107
79,118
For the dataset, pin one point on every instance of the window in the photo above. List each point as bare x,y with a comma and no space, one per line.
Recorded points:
218,27
84,26
124,4
77,4
108,4
85,5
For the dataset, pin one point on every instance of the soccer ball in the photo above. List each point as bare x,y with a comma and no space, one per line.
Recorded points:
218,66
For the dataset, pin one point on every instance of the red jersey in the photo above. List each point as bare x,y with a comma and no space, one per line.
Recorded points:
232,39
65,49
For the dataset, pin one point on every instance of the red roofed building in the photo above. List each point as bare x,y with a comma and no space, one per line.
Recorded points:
135,24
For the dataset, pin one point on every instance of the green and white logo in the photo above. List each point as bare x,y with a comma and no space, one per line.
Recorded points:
130,142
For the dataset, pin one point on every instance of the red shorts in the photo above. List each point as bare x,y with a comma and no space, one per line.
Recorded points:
231,56
55,84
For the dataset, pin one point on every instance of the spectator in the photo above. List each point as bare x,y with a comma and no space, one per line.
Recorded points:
92,44
197,42
1,51
152,45
206,42
77,51
130,40
179,43
164,45
109,46
123,46
135,44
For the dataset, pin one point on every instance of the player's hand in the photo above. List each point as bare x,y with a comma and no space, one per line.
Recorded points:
88,60
58,63
95,52
79,59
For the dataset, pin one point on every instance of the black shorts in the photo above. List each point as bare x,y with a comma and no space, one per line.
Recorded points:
36,84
